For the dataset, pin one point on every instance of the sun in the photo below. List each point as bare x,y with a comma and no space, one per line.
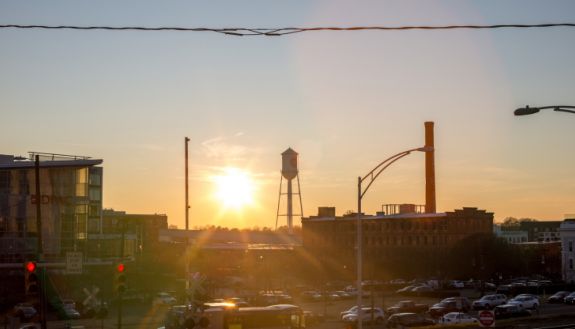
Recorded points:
234,188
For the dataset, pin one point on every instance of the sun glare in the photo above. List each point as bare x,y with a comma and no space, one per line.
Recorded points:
234,188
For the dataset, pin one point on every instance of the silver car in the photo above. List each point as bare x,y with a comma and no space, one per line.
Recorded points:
489,301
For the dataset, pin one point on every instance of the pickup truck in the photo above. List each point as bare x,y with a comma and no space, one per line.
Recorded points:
407,306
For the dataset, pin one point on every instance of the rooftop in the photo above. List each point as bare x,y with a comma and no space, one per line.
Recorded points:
46,160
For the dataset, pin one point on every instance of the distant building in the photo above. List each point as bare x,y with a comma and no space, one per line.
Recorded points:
212,238
70,202
141,234
332,238
511,236
567,231
541,231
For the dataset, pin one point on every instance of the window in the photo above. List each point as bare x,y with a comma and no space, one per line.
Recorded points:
95,193
570,246
571,263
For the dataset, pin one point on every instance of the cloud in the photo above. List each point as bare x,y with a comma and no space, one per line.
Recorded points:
220,147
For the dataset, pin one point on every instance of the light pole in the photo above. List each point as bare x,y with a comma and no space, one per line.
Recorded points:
532,110
371,177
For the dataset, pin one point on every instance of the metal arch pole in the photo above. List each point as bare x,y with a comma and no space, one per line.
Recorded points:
359,244
359,256
373,178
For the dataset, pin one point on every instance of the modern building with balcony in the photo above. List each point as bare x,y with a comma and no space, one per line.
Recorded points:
70,204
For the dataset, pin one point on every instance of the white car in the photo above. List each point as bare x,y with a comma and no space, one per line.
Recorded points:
525,302
489,301
344,313
368,314
457,318
163,298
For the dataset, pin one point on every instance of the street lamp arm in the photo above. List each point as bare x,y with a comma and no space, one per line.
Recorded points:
375,172
531,110
564,110
381,168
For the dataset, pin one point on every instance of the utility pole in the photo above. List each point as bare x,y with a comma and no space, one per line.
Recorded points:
120,291
39,246
187,265
187,195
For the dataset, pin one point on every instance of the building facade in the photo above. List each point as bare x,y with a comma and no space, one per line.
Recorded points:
511,236
567,231
541,231
70,204
332,239
140,234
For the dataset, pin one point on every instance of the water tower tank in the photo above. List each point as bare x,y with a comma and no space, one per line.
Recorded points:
289,164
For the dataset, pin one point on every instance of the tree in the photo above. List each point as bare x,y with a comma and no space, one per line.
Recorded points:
484,256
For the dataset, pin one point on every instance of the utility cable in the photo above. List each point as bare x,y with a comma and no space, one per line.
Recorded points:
241,31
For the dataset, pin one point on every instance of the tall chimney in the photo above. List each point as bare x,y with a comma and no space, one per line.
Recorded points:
429,168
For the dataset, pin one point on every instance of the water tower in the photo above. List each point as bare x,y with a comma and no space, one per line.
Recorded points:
289,172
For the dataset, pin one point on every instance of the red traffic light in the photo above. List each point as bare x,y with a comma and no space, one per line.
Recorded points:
120,268
30,267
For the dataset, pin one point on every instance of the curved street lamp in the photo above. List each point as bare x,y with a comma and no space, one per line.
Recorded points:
371,177
531,110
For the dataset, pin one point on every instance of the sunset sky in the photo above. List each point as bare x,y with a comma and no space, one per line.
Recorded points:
343,100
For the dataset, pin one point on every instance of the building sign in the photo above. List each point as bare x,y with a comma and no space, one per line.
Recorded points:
74,262
50,199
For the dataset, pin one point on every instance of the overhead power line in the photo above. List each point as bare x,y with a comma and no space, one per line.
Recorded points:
241,31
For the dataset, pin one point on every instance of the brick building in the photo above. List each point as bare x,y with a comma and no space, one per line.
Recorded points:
332,239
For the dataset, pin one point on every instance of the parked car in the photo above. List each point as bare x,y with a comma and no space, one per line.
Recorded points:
448,305
69,303
163,298
69,312
405,290
25,311
421,290
457,318
510,311
367,315
311,296
525,302
343,294
407,306
489,301
344,313
570,299
558,297
401,320
456,284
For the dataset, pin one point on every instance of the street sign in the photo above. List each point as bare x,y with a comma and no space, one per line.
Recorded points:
74,262
91,296
487,318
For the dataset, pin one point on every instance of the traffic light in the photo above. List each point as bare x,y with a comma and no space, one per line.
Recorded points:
31,283
120,278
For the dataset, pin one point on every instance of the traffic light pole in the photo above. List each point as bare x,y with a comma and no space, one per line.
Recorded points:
39,249
120,291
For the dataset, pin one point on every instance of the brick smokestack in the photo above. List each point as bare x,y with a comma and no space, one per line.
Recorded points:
429,168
